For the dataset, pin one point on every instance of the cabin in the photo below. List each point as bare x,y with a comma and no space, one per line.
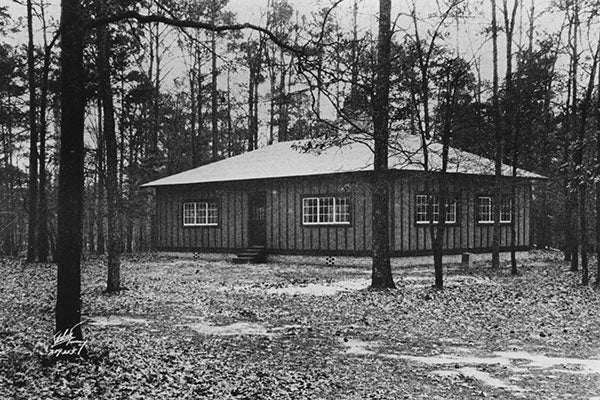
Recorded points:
311,198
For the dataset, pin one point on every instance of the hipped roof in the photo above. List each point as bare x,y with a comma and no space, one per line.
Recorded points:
312,157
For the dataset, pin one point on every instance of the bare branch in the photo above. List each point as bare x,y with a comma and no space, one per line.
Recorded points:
184,23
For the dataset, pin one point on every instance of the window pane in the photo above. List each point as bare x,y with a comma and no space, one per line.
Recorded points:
342,210
485,209
422,208
451,212
189,214
212,215
200,213
310,210
435,208
326,208
506,210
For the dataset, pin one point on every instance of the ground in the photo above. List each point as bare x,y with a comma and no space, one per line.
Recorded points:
189,329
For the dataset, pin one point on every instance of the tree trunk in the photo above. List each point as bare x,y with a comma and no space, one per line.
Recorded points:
382,271
509,26
598,183
283,117
229,122
580,169
42,240
71,176
101,183
193,112
251,107
112,191
572,200
214,97
33,143
498,146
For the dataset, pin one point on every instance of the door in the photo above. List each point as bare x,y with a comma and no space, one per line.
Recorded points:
257,224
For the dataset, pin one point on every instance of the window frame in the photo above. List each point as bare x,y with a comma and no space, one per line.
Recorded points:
206,224
491,210
318,207
504,200
422,219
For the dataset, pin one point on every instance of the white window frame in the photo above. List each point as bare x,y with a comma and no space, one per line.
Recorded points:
506,210
200,213
422,205
489,209
326,210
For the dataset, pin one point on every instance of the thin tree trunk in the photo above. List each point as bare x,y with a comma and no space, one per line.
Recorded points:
574,125
42,240
33,143
382,271
579,166
498,146
114,241
214,96
251,105
598,183
156,103
509,26
101,183
194,150
229,122
283,118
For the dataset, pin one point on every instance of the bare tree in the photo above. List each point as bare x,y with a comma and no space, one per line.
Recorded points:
112,190
382,271
498,144
33,143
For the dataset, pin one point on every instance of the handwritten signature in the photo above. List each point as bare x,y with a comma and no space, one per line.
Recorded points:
66,344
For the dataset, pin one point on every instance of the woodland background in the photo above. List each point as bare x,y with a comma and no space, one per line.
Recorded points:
233,92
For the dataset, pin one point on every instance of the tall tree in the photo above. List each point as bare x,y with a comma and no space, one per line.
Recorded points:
498,144
382,271
112,190
33,143
571,203
511,131
70,189
42,240
597,184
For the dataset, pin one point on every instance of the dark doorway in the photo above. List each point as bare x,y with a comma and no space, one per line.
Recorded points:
257,224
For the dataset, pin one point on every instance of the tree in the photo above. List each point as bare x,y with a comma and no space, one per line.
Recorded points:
42,239
382,271
113,283
510,113
70,190
33,143
498,144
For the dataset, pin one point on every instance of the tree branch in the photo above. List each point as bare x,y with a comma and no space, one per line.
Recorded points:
183,23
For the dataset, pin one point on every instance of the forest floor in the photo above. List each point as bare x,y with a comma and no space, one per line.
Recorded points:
187,329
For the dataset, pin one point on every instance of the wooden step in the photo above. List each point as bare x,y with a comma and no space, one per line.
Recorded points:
251,255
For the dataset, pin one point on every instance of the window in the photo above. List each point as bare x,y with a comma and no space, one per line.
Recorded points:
506,209
325,210
200,213
486,210
426,201
484,207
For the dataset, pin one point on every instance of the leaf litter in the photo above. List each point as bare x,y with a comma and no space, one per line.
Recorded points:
142,344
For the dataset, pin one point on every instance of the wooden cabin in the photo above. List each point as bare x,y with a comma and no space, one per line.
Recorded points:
305,198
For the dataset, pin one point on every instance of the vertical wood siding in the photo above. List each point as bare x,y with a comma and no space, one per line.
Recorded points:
286,233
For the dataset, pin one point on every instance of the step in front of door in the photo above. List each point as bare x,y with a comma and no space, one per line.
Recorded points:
251,255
